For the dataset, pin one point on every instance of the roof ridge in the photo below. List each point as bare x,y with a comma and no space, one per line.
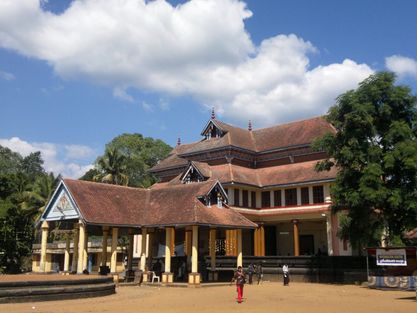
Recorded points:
101,183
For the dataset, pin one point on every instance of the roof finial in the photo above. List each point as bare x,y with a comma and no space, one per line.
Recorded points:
213,115
250,125
179,141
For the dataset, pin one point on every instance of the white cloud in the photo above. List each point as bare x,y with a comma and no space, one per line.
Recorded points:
6,76
401,65
199,49
58,158
78,152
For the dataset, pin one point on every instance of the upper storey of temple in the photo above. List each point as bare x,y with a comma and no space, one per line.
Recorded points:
224,143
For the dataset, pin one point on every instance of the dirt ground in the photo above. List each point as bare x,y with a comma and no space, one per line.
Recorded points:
268,297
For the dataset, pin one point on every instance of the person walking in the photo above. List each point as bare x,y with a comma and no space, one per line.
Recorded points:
286,274
259,272
251,271
239,278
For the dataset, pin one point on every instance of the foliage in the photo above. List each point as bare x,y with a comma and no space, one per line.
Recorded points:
375,152
25,188
128,158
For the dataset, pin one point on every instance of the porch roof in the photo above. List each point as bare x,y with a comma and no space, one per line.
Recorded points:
104,204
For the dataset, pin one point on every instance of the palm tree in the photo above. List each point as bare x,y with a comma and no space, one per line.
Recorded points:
112,168
38,195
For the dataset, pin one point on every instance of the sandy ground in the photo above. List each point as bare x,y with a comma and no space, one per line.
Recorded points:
269,297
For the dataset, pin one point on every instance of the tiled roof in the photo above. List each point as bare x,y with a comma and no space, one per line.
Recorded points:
106,204
261,140
295,173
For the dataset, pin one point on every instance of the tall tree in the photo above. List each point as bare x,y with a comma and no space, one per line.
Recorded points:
112,168
375,152
139,153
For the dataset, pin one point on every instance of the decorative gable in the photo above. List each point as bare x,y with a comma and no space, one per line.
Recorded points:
192,175
211,130
61,206
216,196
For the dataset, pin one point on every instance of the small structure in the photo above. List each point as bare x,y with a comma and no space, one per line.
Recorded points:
180,213
392,267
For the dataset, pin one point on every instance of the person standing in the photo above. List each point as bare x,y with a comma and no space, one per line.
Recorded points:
286,274
259,272
251,271
239,278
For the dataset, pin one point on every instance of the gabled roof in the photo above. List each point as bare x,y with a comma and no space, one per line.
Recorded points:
105,204
281,175
299,133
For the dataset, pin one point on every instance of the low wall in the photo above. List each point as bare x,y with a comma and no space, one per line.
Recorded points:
393,282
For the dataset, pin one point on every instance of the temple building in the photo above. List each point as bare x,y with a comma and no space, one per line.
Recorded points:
236,193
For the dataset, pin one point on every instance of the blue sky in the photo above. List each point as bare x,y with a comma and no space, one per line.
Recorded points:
75,74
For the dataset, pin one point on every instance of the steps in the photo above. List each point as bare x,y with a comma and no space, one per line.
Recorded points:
29,291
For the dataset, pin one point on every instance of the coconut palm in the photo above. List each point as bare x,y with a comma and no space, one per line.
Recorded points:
112,168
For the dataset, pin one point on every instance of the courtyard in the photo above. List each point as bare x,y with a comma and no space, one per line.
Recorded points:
267,297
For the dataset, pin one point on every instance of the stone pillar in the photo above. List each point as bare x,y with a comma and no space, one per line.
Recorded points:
194,276
143,251
296,238
44,243
212,242
167,276
75,249
81,244
67,254
104,246
130,251
239,248
298,196
310,195
114,242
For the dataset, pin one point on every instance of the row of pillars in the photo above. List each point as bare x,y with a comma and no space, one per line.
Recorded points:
80,251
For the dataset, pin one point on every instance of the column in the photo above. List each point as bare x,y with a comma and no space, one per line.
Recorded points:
329,234
239,248
104,246
271,198
129,273
262,240
212,242
85,252
194,276
172,242
75,248
67,254
296,238
283,197
44,243
167,276
114,242
310,195
143,251
81,244
298,196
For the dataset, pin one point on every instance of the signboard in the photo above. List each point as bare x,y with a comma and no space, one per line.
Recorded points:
391,257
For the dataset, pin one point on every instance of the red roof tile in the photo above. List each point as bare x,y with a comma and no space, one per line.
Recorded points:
106,204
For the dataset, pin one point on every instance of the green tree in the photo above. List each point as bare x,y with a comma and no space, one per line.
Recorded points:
112,168
139,153
375,152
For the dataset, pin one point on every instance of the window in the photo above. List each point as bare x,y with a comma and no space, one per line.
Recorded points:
291,196
266,199
237,198
277,198
305,196
245,198
253,199
318,194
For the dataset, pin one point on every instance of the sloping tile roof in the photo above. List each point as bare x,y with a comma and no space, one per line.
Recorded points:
291,134
294,173
266,139
106,204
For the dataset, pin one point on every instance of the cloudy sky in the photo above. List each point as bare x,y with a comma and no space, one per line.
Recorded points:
75,74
